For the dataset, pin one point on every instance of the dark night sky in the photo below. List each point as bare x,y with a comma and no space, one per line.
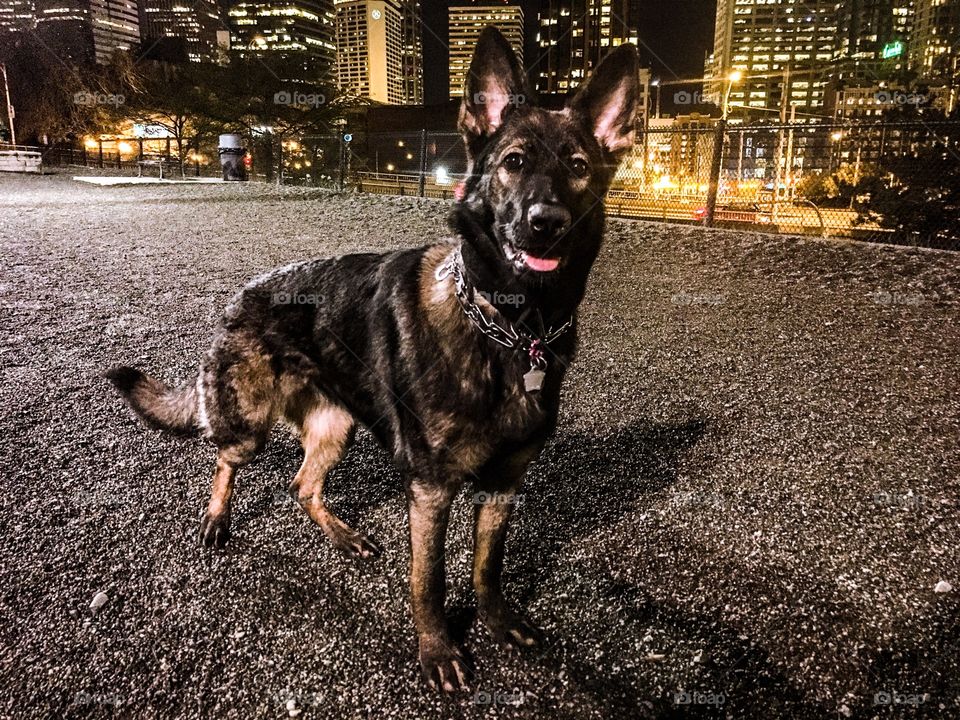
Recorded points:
674,36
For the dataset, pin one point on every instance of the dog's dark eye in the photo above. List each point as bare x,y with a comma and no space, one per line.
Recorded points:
513,162
579,167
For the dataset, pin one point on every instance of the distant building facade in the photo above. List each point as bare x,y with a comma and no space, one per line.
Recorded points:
293,28
370,50
466,22
79,31
830,59
574,35
16,15
412,52
784,51
935,47
194,24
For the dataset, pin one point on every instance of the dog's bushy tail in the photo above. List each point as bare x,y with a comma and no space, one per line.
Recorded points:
160,407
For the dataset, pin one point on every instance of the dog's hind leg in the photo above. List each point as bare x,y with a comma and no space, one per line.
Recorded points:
215,525
326,432
237,394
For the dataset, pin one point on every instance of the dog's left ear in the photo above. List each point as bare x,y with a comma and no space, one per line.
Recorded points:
496,84
607,102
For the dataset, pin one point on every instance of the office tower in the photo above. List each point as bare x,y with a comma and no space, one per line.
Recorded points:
115,25
783,50
193,24
16,15
300,29
465,25
935,46
871,40
87,31
412,52
574,35
370,50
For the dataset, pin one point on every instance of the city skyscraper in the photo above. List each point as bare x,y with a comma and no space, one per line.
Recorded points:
195,24
780,48
871,40
115,25
16,15
935,46
293,28
370,50
574,35
412,52
86,31
465,25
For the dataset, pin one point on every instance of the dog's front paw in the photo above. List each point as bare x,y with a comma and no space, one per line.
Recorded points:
511,630
215,530
442,664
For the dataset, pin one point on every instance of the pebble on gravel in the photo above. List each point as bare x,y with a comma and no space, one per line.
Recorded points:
99,600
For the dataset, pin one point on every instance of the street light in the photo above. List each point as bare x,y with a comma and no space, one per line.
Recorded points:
836,136
734,77
656,83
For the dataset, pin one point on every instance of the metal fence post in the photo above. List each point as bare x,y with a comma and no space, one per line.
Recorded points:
715,172
342,171
280,160
422,186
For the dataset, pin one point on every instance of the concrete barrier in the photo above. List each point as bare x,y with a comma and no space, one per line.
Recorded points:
21,160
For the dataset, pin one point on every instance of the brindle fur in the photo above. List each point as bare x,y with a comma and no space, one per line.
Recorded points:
385,344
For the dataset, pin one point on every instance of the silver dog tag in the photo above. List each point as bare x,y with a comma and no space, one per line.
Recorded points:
533,379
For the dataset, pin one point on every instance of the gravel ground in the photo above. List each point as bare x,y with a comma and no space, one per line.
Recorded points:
750,501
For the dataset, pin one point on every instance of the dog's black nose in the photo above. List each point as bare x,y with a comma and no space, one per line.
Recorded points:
547,221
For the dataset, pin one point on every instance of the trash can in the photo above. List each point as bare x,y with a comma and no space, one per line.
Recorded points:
232,155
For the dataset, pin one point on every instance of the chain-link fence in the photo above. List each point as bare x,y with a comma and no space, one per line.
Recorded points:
883,182
877,181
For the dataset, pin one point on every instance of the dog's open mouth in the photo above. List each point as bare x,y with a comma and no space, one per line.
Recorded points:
523,260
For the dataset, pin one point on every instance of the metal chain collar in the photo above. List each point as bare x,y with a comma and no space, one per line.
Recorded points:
507,336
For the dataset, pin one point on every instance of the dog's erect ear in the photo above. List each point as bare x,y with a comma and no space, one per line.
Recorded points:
495,85
607,102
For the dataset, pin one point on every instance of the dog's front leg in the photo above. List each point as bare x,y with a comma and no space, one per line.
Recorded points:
498,494
441,661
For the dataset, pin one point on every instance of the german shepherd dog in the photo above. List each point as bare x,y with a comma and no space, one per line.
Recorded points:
451,355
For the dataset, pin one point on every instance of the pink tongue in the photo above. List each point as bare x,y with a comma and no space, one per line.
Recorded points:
541,264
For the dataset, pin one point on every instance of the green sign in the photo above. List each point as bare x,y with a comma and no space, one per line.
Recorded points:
892,50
